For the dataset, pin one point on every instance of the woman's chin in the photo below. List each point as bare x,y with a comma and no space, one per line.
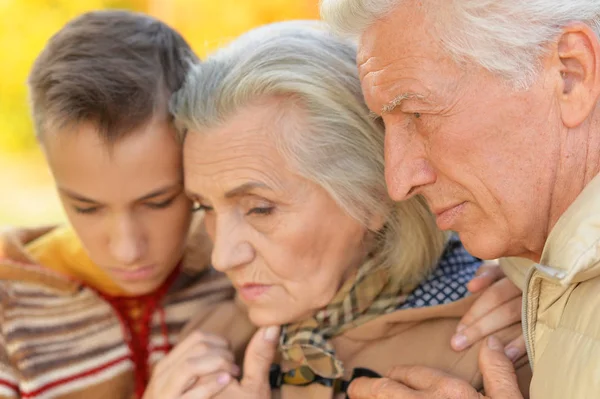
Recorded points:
266,317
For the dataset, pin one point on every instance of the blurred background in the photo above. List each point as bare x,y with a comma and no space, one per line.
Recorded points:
27,195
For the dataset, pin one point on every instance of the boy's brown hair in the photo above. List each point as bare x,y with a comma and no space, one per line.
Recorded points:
112,68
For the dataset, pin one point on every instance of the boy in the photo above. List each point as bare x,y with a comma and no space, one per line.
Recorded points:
108,297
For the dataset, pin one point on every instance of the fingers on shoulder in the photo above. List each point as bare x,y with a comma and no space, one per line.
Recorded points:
501,317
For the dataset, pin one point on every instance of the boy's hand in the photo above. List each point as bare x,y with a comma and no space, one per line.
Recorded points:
200,366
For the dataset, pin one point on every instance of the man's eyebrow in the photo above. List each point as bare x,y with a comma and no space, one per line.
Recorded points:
392,105
244,188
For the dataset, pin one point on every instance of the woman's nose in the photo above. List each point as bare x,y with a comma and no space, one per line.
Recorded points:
231,247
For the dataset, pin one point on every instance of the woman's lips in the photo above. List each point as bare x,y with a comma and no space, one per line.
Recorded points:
252,292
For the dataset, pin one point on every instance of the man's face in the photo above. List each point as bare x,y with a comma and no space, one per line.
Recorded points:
482,154
125,201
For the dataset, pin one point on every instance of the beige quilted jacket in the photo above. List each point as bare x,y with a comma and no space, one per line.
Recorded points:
561,303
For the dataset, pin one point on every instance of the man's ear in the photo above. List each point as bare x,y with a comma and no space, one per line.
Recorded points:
578,65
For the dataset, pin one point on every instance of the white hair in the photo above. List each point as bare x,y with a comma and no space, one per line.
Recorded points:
327,134
507,37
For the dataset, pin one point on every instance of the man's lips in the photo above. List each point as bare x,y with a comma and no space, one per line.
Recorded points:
447,216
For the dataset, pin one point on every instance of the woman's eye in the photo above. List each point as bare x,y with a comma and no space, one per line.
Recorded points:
261,210
160,205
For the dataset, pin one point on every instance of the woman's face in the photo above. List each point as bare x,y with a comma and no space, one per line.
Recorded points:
281,239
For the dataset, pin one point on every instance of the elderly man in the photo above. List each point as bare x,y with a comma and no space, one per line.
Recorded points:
492,114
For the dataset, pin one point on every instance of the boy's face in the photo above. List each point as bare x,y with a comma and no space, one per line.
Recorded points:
125,201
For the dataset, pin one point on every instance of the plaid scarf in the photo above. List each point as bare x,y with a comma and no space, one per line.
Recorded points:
366,295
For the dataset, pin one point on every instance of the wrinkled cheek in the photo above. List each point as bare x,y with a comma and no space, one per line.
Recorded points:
301,301
277,307
389,160
322,295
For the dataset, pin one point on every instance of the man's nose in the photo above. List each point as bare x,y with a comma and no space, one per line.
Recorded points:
406,166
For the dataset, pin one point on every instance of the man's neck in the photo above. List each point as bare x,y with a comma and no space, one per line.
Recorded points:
579,165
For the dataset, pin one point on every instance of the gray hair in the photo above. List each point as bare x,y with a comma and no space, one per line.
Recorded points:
507,37
341,147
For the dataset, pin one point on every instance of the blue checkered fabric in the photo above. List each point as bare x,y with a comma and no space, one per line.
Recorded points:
447,282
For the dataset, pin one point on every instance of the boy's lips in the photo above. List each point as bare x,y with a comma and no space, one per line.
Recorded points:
139,273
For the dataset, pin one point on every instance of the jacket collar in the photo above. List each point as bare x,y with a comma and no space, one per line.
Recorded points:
38,275
572,250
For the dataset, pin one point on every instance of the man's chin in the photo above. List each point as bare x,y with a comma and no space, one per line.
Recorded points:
483,246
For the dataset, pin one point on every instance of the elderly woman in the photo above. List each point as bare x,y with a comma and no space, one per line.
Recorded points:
284,159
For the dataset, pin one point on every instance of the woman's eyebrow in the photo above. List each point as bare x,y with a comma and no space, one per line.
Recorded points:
245,188
238,191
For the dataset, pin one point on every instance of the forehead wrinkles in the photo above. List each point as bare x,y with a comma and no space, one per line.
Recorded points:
407,31
391,84
232,161
389,72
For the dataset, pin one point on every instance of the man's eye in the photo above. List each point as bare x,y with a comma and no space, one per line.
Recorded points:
261,210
